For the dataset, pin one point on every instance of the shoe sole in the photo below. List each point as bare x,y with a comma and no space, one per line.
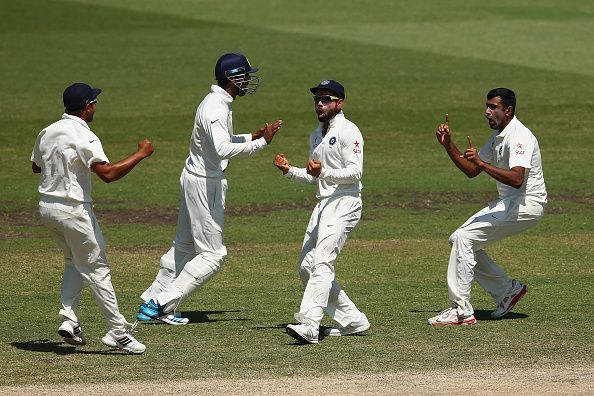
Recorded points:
463,323
112,344
174,321
339,333
513,303
65,333
299,337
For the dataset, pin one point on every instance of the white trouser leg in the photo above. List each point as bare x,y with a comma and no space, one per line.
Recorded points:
495,222
79,230
171,265
490,276
164,277
72,280
330,224
340,307
199,242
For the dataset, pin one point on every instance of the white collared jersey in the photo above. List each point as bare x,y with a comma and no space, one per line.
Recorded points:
515,145
65,151
213,142
340,152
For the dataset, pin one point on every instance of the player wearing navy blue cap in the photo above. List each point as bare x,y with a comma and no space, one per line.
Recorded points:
65,154
198,249
336,167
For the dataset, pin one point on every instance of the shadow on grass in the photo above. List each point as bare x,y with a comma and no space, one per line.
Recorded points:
58,348
481,314
202,317
292,341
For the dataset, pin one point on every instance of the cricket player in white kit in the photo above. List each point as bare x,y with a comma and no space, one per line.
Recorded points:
65,154
512,157
336,166
198,249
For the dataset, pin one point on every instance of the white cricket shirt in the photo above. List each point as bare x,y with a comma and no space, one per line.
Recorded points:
213,142
65,151
515,145
341,155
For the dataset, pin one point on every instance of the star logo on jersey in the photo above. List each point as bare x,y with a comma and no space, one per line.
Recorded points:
357,149
520,149
332,140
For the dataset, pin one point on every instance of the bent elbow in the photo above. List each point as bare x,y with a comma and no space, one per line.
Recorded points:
518,183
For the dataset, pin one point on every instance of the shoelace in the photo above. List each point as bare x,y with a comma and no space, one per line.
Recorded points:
130,327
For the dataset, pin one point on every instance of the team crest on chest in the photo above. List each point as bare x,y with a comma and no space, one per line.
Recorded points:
332,140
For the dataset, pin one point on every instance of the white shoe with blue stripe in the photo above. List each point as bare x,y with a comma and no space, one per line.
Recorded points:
175,320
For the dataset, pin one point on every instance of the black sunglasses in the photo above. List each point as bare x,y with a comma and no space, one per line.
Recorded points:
325,98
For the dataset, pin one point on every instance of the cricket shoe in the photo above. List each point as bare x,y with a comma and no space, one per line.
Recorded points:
305,333
126,342
151,309
173,319
517,292
351,329
72,333
450,317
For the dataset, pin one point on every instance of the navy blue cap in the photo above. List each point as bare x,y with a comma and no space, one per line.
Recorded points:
331,85
78,95
230,64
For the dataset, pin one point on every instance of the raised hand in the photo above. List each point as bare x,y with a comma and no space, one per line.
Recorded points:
443,132
471,153
145,148
282,163
271,129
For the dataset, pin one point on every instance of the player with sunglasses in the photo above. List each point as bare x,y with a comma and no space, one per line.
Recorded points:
336,166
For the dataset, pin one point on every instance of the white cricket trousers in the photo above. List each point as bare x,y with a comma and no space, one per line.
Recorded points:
468,259
198,249
331,222
78,235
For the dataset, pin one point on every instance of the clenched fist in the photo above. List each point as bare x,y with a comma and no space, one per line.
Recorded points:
282,163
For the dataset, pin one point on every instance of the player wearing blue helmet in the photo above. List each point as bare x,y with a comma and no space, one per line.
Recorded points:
198,249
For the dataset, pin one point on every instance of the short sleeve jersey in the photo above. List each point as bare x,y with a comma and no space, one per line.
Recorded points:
65,151
514,146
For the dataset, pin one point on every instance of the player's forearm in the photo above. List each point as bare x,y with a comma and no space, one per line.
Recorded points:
300,175
348,175
227,149
513,177
112,172
467,167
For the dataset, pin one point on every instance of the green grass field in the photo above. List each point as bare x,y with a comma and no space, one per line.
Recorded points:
404,65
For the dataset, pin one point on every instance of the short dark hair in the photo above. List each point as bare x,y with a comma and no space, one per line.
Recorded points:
508,97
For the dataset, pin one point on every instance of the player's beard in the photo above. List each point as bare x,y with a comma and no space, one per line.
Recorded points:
325,115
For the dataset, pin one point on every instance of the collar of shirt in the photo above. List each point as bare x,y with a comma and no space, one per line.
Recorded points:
333,122
220,91
508,128
74,118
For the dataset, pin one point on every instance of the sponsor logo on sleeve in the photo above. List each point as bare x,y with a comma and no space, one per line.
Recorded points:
520,149
357,149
